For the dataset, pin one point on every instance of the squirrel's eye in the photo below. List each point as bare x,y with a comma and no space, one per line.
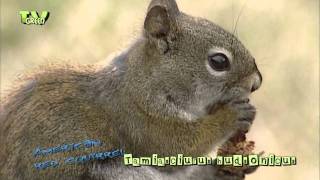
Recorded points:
219,62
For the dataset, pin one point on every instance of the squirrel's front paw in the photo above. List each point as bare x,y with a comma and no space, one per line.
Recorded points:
245,114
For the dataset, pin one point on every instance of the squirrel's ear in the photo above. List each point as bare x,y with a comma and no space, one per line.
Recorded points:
161,17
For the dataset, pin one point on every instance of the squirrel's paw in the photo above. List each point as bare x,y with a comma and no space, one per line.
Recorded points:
245,114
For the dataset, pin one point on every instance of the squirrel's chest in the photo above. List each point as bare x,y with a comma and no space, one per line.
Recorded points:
118,171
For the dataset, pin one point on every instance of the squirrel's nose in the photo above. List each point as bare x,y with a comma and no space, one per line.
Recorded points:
257,81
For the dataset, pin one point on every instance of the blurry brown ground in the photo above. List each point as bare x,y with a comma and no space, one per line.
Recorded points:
283,35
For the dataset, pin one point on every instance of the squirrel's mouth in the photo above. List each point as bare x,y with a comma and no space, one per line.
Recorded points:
213,107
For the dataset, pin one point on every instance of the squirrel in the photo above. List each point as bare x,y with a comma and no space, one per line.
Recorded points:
182,87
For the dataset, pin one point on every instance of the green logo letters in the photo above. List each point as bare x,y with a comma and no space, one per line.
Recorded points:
32,17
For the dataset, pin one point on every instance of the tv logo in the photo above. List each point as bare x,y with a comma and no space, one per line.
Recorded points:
32,17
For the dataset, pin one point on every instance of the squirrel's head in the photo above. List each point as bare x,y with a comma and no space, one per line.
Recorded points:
189,64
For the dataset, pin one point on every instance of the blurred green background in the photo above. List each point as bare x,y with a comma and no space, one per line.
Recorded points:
283,35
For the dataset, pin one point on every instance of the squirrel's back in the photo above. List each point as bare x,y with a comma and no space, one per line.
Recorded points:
53,104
